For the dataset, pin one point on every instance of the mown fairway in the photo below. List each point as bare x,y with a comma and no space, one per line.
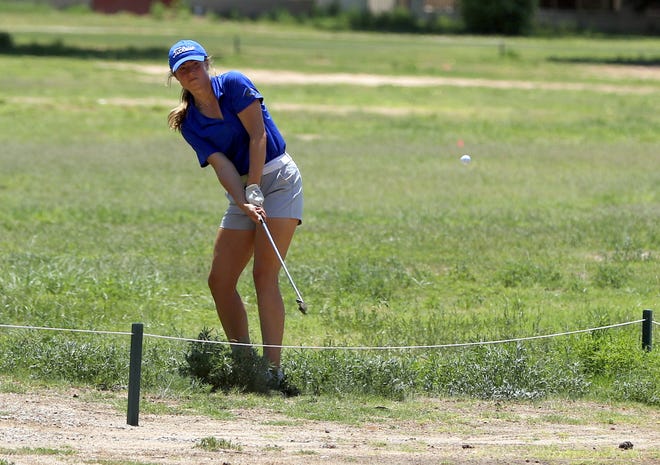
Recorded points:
106,219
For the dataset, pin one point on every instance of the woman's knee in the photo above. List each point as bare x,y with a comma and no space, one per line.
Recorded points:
265,276
211,280
221,280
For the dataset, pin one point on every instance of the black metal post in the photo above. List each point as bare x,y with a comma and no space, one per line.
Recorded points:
134,374
647,330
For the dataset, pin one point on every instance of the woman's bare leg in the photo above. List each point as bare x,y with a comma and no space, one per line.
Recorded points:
266,273
231,254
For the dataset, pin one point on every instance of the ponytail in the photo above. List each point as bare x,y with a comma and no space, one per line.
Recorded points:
178,113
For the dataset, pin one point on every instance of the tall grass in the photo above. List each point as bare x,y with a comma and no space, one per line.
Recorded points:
106,219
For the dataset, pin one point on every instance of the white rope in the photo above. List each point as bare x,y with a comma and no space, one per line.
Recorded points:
655,322
435,346
355,348
42,328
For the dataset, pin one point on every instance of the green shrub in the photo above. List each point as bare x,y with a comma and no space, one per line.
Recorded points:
398,20
611,275
60,357
608,354
346,372
158,10
509,17
639,386
520,274
499,372
612,361
489,372
213,444
87,359
224,369
6,42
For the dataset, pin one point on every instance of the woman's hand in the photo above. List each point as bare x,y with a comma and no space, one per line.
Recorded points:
256,213
254,198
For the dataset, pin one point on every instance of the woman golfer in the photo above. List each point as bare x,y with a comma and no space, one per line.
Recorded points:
225,121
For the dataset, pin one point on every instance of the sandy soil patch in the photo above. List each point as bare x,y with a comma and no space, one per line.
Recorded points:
284,77
647,73
60,428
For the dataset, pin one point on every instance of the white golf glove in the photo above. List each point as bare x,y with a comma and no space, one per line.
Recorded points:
253,195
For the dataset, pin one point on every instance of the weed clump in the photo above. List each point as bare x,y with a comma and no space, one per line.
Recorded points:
223,367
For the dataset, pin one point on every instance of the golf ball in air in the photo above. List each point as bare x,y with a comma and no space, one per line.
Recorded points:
465,159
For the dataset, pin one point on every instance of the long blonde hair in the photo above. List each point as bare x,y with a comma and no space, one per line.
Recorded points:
178,113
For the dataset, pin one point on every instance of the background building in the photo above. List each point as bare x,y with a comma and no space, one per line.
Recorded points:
616,16
140,7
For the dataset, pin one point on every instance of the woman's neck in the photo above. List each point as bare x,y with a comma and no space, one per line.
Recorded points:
205,97
207,103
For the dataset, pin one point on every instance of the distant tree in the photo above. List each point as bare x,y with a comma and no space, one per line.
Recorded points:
510,17
639,5
6,42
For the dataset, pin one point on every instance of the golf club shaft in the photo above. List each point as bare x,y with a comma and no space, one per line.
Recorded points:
301,303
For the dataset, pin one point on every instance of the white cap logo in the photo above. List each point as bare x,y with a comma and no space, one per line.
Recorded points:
181,50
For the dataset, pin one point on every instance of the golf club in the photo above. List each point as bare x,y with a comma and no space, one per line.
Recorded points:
302,306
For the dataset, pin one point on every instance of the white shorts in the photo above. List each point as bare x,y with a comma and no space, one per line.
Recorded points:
281,184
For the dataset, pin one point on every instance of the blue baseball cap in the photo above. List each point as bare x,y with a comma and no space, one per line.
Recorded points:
186,50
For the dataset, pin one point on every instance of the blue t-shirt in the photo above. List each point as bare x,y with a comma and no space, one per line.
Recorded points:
235,92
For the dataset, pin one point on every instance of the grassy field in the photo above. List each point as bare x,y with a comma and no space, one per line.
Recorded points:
106,219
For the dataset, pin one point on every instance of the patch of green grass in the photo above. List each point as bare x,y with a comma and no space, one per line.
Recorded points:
39,451
595,455
562,419
213,444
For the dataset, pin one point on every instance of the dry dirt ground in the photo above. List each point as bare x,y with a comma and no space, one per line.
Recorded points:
58,427
284,77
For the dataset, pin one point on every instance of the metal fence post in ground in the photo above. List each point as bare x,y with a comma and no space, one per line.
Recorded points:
647,330
134,373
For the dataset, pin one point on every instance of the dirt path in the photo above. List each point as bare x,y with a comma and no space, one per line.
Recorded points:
57,428
372,80
284,77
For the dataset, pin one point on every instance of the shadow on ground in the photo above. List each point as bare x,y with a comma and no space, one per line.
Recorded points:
60,49
639,61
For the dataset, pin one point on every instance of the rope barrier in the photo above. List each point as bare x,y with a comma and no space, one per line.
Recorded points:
413,347
353,348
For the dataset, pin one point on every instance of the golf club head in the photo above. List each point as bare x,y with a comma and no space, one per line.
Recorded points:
302,306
